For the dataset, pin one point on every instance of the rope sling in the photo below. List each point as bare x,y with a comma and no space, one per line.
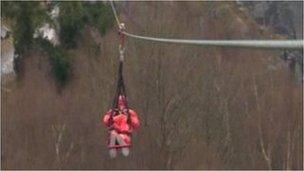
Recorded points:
120,91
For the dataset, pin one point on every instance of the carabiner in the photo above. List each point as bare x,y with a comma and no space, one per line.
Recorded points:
122,41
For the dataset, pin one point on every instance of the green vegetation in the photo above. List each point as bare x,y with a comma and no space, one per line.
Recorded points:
26,16
99,16
73,16
60,61
71,23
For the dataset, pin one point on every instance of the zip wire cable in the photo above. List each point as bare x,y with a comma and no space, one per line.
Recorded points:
271,44
282,44
115,13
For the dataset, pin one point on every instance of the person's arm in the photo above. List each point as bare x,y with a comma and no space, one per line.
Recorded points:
106,118
134,119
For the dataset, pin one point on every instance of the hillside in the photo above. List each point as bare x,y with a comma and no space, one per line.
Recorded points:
200,108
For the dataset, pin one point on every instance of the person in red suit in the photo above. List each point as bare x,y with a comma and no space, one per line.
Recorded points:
120,128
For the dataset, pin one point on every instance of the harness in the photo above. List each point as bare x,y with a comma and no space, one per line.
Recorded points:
120,90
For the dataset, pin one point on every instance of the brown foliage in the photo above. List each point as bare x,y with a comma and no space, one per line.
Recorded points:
201,108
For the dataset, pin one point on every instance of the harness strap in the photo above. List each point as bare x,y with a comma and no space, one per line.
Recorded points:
119,146
120,90
121,132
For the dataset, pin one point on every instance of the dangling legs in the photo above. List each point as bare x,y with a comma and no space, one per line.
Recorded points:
116,137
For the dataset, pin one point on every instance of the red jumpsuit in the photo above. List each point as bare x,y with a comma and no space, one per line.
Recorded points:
120,124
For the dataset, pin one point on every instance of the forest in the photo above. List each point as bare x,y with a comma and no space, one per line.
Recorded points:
199,107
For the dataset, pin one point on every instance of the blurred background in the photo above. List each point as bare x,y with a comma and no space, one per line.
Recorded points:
200,108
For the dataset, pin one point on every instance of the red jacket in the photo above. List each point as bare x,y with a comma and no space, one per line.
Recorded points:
120,123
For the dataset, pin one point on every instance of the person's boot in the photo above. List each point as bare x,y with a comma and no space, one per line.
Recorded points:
125,151
113,153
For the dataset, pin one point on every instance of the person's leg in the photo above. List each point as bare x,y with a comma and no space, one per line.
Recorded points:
113,151
125,150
